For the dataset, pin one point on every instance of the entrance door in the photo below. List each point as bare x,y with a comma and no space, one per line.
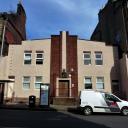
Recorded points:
115,88
63,88
1,92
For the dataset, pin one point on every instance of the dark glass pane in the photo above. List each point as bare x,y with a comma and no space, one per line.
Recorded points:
87,62
88,86
86,55
99,62
39,55
98,56
39,61
27,61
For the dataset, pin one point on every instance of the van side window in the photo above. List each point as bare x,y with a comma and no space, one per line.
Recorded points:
111,98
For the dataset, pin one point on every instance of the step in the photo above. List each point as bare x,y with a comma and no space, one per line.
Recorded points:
64,101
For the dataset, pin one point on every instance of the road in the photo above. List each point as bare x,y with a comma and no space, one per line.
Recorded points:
62,119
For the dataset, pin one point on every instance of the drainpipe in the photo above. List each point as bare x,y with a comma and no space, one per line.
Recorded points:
2,45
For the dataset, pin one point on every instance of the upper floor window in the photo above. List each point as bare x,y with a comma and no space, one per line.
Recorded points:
39,57
87,58
27,57
38,81
98,58
88,83
100,83
26,82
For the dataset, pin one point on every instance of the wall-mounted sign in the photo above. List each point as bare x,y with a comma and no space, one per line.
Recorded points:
44,94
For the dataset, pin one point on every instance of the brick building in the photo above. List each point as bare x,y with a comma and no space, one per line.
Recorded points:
64,61
12,31
112,29
68,64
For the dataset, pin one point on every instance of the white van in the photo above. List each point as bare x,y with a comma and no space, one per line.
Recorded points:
96,101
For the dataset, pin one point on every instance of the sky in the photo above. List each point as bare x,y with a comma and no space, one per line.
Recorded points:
49,17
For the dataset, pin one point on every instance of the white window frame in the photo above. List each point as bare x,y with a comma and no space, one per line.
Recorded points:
42,59
26,82
98,59
97,82
87,59
25,59
38,82
87,77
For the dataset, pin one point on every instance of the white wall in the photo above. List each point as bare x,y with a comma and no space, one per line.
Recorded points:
18,69
93,70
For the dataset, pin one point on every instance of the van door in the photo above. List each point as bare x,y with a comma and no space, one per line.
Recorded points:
111,102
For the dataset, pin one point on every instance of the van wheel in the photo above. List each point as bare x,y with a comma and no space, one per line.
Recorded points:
87,111
124,111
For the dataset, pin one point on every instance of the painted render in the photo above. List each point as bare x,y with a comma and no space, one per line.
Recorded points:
109,70
17,68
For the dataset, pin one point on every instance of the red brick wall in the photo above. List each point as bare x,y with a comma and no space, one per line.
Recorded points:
12,36
15,27
56,61
72,62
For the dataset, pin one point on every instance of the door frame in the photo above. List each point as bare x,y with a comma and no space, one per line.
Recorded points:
57,85
63,88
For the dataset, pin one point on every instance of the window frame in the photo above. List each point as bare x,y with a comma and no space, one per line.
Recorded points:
26,82
42,59
87,83
37,82
100,83
99,59
87,59
25,53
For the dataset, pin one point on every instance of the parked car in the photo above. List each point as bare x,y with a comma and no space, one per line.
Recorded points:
96,101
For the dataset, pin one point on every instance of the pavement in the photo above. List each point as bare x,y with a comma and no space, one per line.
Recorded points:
51,107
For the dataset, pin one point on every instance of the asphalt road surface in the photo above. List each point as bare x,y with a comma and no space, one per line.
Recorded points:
49,119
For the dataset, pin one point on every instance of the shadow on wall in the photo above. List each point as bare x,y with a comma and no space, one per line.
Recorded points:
124,76
118,75
115,74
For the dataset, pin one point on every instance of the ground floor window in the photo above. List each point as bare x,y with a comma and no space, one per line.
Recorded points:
26,82
38,81
88,82
100,83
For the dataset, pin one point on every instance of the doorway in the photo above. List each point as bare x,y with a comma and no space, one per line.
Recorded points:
63,88
1,93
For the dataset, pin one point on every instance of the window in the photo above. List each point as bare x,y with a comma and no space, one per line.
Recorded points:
98,58
110,97
38,81
27,57
87,58
26,82
100,83
88,83
39,57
